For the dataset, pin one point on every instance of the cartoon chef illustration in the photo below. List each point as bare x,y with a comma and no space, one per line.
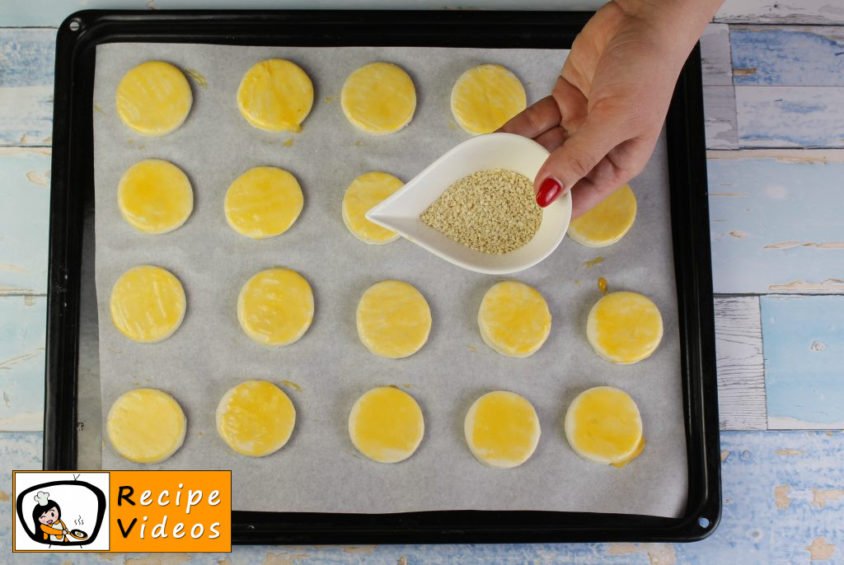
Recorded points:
47,516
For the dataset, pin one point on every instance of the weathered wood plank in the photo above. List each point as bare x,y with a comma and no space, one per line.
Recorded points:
781,12
766,517
18,451
22,333
719,109
741,367
15,13
788,56
804,361
795,156
53,12
719,98
26,86
27,56
775,220
790,116
24,220
26,116
716,65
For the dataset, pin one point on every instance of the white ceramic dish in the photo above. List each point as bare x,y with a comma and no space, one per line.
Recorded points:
400,212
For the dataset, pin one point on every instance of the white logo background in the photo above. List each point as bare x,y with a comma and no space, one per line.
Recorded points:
78,505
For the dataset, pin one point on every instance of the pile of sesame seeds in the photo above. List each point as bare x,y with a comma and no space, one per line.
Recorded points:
492,211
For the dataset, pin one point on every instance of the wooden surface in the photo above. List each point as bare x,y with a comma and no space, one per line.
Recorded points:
741,367
804,344
774,112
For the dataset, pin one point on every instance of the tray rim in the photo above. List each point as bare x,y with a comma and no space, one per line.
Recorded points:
72,172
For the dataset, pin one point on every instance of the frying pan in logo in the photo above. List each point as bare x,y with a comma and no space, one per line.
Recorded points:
78,534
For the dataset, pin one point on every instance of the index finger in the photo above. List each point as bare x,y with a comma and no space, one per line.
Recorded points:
534,120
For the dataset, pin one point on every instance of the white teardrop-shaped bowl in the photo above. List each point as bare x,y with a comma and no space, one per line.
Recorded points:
400,212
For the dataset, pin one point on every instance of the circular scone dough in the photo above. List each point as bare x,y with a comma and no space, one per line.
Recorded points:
366,191
502,429
155,196
379,98
147,304
607,222
624,327
603,424
255,418
263,202
386,425
153,98
514,319
275,95
485,97
146,425
393,319
276,307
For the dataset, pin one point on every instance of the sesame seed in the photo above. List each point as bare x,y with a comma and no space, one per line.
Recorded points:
492,211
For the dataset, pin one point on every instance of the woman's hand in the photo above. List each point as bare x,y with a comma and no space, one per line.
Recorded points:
607,108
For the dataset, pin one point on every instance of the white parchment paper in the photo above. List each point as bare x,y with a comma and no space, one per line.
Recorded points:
319,469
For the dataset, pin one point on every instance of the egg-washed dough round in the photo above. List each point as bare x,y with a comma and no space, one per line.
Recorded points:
603,424
147,304
146,425
366,191
502,429
607,222
386,425
155,196
624,327
276,307
485,97
393,319
153,98
379,98
263,202
255,418
275,95
514,319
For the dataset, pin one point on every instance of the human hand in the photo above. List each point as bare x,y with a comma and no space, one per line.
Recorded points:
607,108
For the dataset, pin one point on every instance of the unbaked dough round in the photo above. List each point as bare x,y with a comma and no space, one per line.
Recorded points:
607,222
393,319
603,424
276,307
255,418
275,95
263,202
624,327
153,98
146,425
485,97
502,429
514,319
155,196
379,98
365,192
147,304
386,425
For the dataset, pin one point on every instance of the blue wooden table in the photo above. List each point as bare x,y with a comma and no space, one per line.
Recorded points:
774,100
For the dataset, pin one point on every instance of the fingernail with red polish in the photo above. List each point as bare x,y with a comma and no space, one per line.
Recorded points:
549,190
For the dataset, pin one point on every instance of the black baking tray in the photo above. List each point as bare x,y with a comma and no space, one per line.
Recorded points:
73,202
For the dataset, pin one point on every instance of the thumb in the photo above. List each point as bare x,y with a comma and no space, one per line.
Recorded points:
576,157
